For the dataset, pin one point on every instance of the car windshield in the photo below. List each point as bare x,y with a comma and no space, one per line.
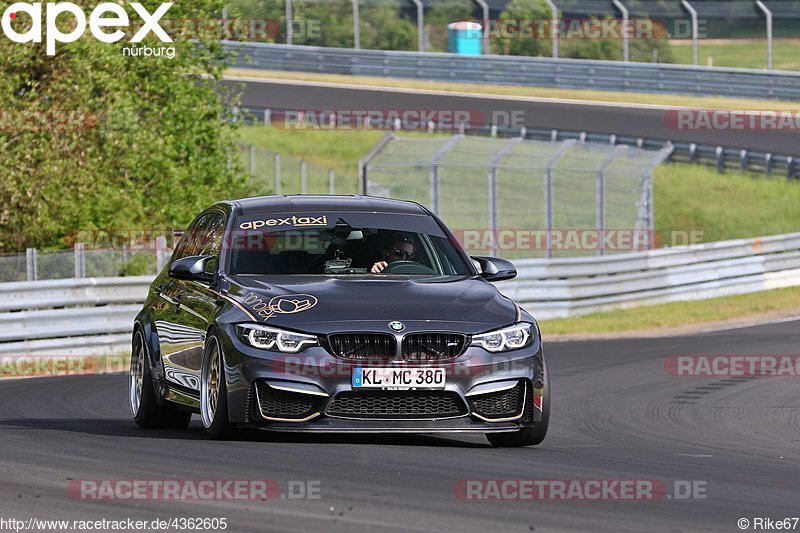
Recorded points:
366,244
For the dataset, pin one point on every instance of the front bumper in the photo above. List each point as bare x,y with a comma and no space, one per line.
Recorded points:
312,392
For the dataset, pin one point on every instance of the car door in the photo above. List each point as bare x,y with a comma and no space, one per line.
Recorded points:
196,306
181,334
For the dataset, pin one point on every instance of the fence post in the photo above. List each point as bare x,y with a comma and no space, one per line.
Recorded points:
277,173
720,159
434,174
554,30
420,25
356,26
601,193
80,269
493,164
267,118
161,253
289,27
303,177
548,192
693,14
768,14
331,181
252,160
31,265
625,47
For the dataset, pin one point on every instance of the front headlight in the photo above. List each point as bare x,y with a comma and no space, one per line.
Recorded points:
278,340
511,338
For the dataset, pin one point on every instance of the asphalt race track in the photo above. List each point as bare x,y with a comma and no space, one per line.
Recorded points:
617,415
620,119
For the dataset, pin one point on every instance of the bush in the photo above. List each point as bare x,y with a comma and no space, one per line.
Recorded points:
125,142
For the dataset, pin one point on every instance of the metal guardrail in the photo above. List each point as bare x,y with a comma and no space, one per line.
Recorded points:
95,315
555,288
523,70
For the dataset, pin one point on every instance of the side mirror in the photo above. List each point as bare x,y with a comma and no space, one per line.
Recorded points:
495,269
192,268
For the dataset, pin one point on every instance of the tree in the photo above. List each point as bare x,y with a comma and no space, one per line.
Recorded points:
530,14
92,138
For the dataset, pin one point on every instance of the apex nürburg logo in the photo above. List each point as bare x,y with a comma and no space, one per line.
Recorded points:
101,21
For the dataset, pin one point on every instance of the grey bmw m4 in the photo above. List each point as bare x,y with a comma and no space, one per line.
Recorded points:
341,314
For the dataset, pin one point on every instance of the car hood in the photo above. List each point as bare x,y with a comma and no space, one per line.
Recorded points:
325,304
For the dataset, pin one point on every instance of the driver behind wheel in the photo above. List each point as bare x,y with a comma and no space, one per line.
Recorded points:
397,249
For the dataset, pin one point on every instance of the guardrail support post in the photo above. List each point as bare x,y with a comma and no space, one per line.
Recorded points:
693,13
80,268
768,14
768,164
331,182
31,266
303,177
720,159
267,118
554,31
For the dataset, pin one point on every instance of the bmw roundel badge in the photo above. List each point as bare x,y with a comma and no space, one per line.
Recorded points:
396,325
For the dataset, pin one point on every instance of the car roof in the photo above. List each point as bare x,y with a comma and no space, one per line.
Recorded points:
315,203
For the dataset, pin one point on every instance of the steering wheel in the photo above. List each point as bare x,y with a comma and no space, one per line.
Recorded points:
407,267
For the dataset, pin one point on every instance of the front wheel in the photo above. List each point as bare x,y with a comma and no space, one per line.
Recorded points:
528,436
142,398
214,393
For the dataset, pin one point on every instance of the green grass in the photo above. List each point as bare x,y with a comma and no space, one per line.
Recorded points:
722,206
745,53
678,314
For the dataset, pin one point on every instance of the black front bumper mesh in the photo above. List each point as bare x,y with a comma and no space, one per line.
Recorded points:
397,404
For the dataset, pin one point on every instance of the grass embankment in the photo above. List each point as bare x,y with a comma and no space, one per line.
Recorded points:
744,53
681,317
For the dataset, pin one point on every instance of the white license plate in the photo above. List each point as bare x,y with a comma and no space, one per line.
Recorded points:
398,378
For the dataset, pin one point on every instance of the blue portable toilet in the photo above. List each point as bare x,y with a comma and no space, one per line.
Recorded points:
465,37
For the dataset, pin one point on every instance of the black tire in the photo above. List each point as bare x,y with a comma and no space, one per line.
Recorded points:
214,412
528,436
142,398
